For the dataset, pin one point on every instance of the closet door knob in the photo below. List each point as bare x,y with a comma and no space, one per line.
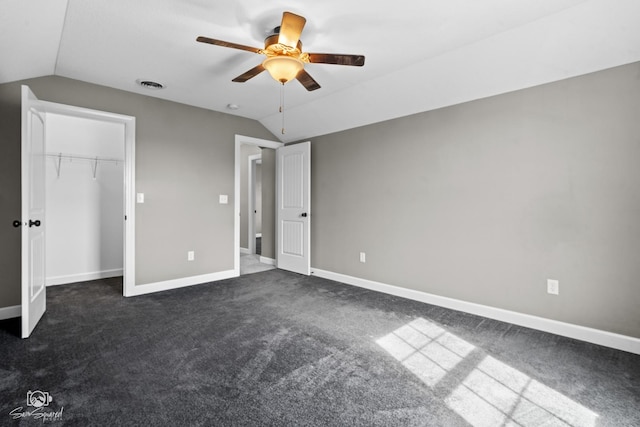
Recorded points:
17,223
36,223
304,215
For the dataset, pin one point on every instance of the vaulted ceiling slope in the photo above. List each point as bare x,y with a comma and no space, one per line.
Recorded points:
420,55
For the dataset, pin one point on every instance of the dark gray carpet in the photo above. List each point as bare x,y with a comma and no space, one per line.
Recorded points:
275,348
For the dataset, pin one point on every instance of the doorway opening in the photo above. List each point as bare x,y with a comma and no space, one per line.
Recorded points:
90,172
33,191
254,204
84,195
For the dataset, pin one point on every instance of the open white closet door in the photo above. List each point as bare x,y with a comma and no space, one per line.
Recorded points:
293,165
34,294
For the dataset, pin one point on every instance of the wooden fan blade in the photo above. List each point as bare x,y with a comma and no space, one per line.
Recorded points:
334,58
249,74
290,29
307,81
222,43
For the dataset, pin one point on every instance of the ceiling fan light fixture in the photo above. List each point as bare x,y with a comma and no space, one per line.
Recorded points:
285,58
283,68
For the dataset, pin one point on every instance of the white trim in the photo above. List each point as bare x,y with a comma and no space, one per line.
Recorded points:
129,271
182,282
595,336
269,261
258,235
239,140
83,277
245,251
129,229
10,312
87,113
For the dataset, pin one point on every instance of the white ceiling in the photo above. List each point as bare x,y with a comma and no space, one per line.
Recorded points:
420,54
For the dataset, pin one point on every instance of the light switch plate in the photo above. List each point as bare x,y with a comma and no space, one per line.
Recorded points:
224,199
140,197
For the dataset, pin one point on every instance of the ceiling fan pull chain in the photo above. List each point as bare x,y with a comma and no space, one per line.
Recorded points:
282,105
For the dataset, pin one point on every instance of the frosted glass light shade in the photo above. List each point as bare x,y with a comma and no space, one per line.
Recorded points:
283,68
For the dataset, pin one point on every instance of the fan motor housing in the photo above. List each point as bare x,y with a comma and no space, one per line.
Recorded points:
273,40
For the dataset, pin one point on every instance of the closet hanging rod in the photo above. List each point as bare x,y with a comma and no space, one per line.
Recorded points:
71,157
77,157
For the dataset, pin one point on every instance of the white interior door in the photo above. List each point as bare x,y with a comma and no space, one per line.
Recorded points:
293,165
33,205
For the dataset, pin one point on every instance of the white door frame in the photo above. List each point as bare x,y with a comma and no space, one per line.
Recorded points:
239,140
128,282
253,160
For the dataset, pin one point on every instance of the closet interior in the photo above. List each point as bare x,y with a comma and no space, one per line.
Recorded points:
84,199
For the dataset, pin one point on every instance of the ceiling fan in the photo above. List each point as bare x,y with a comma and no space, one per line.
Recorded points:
285,58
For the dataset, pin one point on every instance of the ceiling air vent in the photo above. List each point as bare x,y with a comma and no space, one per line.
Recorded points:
148,84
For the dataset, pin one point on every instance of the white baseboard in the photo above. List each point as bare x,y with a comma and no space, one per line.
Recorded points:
83,277
595,336
269,261
244,251
180,283
10,312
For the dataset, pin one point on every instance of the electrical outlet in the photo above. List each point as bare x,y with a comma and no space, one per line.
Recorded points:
363,257
553,287
191,255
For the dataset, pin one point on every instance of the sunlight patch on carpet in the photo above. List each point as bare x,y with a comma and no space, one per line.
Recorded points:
489,393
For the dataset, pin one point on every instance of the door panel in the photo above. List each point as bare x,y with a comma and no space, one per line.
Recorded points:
292,189
293,238
293,211
33,209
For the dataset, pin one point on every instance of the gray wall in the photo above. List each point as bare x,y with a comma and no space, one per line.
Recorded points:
485,201
482,201
184,160
258,201
9,195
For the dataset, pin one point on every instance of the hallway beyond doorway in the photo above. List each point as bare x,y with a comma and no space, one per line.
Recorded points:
250,263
